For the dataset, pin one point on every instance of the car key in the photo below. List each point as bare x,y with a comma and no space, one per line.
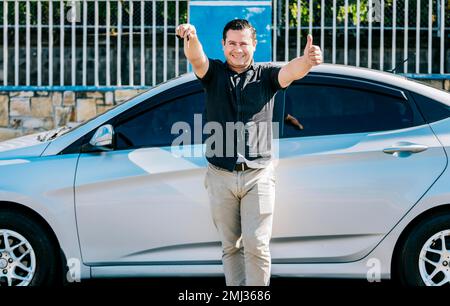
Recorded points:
186,38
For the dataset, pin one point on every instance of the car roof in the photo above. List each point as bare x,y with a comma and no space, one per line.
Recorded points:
373,75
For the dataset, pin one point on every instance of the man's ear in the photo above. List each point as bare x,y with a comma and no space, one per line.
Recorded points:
223,44
254,43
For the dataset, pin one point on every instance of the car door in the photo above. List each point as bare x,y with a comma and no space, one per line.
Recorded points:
356,158
145,201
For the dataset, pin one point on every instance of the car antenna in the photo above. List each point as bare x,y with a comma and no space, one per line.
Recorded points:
393,70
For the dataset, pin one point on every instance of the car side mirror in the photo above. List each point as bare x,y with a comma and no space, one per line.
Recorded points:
103,138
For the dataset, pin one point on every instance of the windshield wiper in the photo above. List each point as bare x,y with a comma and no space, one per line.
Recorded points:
53,134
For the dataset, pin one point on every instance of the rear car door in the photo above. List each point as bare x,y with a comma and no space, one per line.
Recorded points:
354,158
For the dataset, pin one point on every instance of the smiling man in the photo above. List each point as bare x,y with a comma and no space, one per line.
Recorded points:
240,178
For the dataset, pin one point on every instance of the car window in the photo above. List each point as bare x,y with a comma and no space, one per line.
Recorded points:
152,128
312,110
431,109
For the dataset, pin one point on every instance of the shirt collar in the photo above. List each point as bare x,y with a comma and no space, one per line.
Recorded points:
251,67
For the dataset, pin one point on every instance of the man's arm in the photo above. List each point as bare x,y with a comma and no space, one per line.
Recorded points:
193,49
300,66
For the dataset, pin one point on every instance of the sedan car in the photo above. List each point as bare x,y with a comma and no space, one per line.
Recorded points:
363,187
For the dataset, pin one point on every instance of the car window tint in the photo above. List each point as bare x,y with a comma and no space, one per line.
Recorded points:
431,109
312,110
153,127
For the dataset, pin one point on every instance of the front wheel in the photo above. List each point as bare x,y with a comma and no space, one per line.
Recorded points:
27,255
424,259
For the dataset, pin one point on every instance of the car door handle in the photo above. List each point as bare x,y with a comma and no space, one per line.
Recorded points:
409,148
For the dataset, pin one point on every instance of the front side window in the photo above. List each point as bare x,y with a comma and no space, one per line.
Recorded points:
313,110
152,128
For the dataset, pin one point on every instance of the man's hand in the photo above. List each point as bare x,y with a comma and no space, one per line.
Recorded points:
312,53
186,30
193,49
300,66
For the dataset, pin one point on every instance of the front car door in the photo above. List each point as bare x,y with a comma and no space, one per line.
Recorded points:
141,202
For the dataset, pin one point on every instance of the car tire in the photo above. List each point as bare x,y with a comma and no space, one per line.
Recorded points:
29,240
421,254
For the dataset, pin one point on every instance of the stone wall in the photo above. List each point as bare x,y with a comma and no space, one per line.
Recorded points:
27,112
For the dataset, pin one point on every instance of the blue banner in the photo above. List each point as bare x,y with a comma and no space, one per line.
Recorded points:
209,18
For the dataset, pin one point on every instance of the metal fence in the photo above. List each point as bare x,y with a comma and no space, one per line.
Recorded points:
132,42
85,42
378,34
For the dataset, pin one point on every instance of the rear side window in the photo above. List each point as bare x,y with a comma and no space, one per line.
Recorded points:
314,110
432,110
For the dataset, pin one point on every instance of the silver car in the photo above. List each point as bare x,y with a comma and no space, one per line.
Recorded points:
363,187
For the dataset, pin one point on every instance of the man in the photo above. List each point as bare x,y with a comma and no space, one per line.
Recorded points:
240,178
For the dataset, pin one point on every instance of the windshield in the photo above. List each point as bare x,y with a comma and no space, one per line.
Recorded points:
65,129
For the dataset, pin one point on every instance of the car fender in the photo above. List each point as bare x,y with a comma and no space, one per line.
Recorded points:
63,224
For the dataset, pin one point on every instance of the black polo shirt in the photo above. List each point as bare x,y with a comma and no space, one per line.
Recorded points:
245,101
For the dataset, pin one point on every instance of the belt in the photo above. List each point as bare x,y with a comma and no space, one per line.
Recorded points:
241,167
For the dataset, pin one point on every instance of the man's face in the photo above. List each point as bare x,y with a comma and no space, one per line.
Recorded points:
238,48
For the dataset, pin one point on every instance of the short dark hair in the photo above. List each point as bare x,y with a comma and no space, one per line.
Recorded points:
238,24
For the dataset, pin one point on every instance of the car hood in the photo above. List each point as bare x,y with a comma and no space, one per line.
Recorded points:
25,146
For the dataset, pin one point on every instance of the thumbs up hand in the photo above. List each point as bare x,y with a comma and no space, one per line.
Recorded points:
312,53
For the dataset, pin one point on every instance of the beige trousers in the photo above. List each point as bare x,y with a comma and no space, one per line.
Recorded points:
242,204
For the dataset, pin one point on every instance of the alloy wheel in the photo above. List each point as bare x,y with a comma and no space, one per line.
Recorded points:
17,259
434,260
